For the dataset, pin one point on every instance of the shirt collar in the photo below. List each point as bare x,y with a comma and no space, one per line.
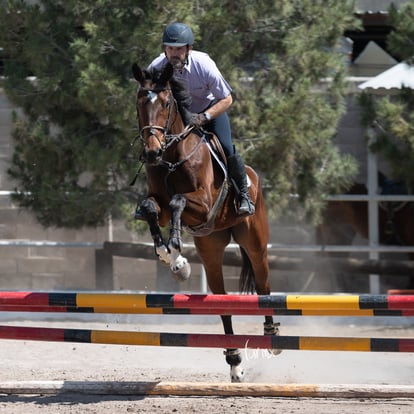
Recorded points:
188,65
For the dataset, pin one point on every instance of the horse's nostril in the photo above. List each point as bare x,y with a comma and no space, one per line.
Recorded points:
153,156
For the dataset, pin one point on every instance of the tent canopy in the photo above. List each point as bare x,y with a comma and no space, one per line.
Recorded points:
397,77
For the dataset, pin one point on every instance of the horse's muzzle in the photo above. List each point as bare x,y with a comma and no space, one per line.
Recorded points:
152,157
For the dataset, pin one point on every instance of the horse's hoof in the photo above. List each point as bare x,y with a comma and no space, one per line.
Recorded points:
236,373
139,215
163,254
272,329
183,273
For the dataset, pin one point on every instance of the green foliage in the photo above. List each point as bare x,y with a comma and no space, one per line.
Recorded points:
393,122
73,160
294,119
392,117
401,40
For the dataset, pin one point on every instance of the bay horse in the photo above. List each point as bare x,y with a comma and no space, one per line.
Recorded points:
342,221
189,189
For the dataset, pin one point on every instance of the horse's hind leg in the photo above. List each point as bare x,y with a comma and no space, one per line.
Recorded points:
149,210
263,288
270,327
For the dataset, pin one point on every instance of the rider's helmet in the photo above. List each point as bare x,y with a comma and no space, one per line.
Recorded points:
177,34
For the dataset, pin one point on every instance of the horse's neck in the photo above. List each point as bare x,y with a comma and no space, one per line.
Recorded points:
177,126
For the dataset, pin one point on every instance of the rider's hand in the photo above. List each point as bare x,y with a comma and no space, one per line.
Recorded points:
198,120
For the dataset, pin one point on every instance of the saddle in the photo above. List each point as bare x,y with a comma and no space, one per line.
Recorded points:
217,154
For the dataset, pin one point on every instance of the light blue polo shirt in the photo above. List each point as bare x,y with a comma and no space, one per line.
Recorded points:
202,76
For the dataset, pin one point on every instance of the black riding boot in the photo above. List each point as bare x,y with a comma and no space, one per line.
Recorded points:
238,176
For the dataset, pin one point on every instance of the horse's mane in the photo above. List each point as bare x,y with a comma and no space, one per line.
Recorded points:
183,97
179,90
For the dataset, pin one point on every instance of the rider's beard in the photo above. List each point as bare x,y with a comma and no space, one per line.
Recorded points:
177,62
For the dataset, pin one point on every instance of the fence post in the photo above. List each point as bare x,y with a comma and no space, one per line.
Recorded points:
373,222
104,269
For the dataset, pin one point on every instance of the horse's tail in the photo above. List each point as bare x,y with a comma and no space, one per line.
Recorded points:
246,283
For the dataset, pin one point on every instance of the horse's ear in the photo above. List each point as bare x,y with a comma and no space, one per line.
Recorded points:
166,73
138,74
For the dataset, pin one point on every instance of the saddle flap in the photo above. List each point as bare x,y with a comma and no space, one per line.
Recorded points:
215,145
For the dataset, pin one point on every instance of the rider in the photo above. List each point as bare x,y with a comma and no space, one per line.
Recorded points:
211,98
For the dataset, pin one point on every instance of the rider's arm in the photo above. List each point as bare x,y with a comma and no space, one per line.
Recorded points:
219,107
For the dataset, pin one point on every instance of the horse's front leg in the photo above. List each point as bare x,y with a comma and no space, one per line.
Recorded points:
179,264
149,210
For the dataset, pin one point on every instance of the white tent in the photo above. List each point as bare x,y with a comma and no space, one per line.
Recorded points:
397,77
372,61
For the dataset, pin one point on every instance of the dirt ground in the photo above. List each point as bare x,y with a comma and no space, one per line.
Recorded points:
41,361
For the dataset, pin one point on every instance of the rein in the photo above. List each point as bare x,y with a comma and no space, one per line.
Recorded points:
170,139
172,166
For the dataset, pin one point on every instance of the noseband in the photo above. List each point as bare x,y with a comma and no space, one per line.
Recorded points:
168,139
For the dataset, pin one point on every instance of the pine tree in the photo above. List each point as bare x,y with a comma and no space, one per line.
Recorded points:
67,65
276,54
392,116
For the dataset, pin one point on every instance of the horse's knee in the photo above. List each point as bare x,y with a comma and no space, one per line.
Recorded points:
177,203
149,209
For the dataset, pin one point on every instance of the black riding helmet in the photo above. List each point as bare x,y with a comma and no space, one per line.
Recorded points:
177,34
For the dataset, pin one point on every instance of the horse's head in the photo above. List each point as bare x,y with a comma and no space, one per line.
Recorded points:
155,106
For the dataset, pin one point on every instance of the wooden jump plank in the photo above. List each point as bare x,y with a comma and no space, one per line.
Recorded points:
207,389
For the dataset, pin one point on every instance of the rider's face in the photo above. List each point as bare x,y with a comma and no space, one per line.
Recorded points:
176,55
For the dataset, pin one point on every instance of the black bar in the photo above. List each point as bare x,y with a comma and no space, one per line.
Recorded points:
385,345
285,342
160,301
173,339
275,302
77,335
176,311
373,302
62,299
388,312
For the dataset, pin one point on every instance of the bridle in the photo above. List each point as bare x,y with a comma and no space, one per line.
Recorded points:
172,104
169,139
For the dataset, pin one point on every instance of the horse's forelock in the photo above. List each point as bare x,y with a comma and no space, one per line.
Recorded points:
147,75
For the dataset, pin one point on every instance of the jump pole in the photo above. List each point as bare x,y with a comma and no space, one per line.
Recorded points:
157,388
207,340
207,311
196,301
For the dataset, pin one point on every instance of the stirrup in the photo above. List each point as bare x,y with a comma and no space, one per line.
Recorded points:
246,206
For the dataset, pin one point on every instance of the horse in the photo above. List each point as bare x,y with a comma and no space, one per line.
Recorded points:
342,221
189,190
